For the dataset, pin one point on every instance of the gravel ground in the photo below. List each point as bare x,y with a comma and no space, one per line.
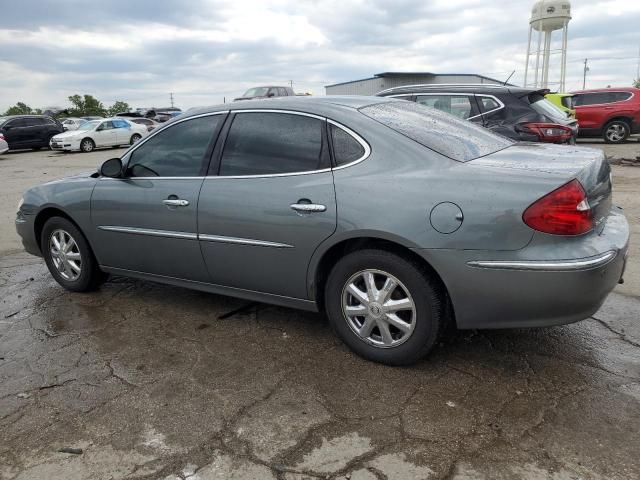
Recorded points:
152,381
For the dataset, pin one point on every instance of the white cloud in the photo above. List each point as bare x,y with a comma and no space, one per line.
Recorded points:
205,50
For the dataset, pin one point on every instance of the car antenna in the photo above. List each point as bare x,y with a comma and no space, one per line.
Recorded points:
508,78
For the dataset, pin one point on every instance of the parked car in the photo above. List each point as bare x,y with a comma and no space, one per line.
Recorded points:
517,113
612,113
394,219
4,146
28,131
266,92
72,123
162,117
110,132
564,101
147,122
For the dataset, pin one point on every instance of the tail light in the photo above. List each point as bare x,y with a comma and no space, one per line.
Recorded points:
1,136
565,211
546,132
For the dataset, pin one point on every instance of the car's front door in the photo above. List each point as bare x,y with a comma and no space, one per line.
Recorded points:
105,135
268,203
147,220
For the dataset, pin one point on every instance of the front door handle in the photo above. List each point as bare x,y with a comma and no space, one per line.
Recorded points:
308,207
176,202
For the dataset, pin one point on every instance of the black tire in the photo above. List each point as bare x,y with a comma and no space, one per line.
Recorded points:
134,138
90,276
616,131
428,298
87,145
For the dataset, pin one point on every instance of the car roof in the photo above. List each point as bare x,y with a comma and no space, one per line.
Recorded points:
611,89
460,88
308,104
26,115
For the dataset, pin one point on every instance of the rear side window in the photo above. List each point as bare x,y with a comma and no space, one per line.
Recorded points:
120,124
620,96
273,143
457,139
487,103
346,149
177,151
594,98
457,105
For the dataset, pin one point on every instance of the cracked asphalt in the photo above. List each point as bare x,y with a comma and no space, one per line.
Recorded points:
141,380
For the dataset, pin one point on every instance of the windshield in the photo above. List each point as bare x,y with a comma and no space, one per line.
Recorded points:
89,125
546,108
457,139
256,92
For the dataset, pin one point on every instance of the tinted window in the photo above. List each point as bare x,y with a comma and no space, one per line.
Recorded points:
457,139
48,121
271,143
458,105
488,103
346,149
31,122
620,96
591,98
178,151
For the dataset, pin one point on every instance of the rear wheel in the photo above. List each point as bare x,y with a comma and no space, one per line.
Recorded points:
616,131
68,256
87,145
135,137
384,307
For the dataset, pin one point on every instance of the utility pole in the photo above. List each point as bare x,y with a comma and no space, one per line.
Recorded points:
291,83
171,97
584,73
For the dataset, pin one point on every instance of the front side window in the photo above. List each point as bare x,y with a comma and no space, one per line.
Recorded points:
178,151
459,105
273,143
457,139
346,149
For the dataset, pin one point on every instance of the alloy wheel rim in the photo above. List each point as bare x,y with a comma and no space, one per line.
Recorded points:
378,308
87,146
615,132
65,255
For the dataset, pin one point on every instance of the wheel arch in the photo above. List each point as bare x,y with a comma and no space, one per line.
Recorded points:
328,254
628,120
45,214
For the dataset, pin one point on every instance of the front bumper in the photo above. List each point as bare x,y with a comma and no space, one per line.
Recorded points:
539,285
26,229
64,145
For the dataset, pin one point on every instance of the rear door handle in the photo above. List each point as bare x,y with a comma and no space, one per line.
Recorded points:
308,207
176,203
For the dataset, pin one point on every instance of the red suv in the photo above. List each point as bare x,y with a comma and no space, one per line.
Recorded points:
613,113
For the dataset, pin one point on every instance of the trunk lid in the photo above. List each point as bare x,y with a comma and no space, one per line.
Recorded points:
561,163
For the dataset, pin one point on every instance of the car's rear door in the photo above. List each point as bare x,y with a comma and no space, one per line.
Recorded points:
147,221
268,203
123,131
590,109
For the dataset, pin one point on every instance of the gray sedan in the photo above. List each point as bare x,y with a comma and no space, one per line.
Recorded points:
395,219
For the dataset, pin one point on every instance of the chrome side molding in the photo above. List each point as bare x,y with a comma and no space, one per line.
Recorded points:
552,265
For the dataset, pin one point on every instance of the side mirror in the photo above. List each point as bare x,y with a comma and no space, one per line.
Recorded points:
269,95
111,168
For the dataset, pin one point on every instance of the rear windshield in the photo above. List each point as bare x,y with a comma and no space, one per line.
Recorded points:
441,132
544,107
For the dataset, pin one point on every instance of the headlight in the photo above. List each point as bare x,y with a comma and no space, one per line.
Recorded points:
20,203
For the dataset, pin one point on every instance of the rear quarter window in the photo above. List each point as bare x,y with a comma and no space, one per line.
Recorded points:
457,139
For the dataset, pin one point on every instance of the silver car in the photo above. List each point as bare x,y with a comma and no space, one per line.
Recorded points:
395,219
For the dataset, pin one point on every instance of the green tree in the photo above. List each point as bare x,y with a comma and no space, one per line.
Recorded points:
86,105
19,108
636,83
118,107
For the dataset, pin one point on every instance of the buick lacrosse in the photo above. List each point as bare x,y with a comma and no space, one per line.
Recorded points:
395,219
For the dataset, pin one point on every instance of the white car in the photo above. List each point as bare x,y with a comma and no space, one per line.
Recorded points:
110,132
72,123
4,146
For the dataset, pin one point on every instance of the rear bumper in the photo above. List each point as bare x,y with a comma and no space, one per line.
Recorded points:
524,289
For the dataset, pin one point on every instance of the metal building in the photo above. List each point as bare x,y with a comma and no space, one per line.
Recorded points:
382,81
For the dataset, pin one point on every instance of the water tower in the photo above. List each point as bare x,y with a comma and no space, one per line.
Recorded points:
547,16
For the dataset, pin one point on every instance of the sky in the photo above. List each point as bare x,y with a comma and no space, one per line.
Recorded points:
208,51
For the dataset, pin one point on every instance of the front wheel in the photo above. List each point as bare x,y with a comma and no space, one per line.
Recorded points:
68,256
384,307
616,131
87,145
135,137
